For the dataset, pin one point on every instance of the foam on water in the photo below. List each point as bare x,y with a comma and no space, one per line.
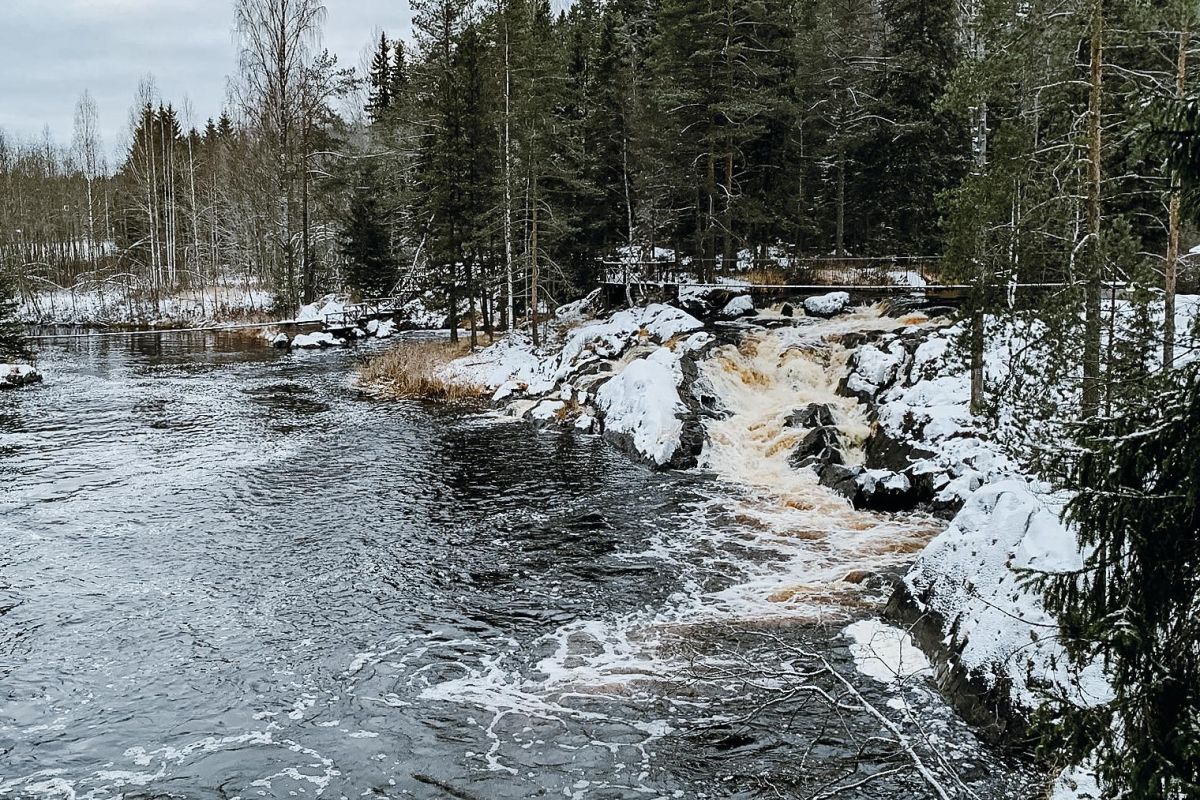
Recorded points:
766,543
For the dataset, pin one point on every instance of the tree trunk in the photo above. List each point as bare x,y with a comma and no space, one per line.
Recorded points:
533,269
1172,266
1095,266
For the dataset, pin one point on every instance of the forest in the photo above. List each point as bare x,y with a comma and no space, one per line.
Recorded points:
507,152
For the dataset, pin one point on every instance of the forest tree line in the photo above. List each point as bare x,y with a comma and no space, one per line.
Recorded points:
508,151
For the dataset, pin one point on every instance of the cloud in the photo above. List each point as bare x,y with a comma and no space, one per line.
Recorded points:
54,51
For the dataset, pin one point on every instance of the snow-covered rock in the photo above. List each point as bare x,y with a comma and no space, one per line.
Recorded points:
281,341
14,375
643,404
740,306
991,622
311,341
318,311
826,305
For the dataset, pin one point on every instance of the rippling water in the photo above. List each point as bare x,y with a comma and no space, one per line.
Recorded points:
223,574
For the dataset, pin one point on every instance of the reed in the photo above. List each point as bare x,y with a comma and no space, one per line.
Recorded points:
413,370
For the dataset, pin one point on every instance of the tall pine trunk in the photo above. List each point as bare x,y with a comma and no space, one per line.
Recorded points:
1172,266
1094,277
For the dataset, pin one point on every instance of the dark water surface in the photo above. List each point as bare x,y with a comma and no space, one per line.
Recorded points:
223,574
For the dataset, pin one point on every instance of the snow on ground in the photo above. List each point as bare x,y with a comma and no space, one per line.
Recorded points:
885,653
622,371
103,303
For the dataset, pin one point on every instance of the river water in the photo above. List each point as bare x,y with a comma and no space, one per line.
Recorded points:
223,574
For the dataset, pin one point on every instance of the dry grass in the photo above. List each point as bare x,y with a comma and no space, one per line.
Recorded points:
766,276
412,371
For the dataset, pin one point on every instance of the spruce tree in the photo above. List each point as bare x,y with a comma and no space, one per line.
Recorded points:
365,241
379,97
1133,605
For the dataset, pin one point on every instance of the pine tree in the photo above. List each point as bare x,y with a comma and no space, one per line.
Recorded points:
379,96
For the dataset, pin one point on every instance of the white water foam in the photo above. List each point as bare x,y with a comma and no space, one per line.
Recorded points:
767,543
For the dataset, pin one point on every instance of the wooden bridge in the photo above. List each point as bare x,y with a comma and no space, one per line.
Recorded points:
355,314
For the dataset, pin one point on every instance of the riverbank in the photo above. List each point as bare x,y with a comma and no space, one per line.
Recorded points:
873,405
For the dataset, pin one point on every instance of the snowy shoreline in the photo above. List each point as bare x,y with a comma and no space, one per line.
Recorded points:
633,377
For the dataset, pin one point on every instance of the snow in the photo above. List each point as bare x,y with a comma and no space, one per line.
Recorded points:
17,375
643,402
317,312
826,305
1076,783
313,340
112,303
885,653
970,576
508,366
739,306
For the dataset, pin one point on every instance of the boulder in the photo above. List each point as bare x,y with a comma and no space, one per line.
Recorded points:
842,479
740,306
281,341
787,310
16,375
826,305
819,448
813,415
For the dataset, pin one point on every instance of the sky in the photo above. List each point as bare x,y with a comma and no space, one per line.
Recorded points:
55,49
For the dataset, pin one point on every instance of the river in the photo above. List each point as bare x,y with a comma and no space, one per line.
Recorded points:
224,574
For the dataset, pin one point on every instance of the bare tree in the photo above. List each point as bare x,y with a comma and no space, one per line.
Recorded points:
88,148
279,42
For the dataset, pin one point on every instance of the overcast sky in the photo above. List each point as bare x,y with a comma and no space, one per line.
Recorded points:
54,49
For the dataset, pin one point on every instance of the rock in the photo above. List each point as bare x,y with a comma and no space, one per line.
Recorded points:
814,415
842,479
883,490
13,376
707,302
311,341
819,448
856,576
281,341
826,305
787,310
740,306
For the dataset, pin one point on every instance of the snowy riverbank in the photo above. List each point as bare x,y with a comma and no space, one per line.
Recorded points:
882,416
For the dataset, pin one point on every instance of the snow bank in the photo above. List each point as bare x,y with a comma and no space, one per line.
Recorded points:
111,303
14,375
643,403
970,576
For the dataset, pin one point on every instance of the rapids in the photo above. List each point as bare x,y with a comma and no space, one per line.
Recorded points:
224,574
